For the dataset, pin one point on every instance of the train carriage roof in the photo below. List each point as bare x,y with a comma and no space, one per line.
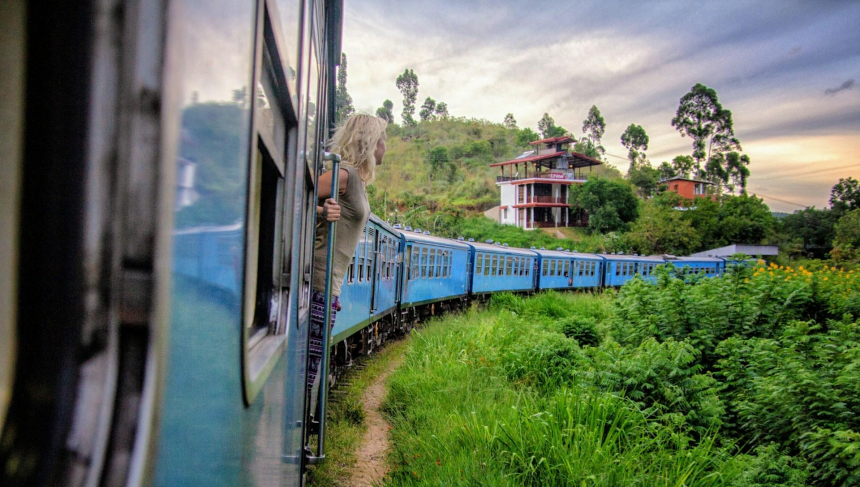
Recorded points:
432,239
634,258
486,247
564,254
691,260
380,222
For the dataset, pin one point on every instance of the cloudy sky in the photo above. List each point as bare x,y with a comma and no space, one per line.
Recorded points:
788,71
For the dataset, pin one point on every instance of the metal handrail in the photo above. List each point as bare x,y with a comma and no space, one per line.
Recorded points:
323,372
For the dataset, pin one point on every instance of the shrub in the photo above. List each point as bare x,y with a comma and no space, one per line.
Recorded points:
583,329
507,301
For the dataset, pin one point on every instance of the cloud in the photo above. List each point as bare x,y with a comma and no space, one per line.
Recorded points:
847,85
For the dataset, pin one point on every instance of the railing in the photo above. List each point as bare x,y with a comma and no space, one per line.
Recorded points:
544,199
561,176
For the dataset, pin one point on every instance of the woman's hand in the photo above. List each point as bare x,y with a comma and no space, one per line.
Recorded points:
330,211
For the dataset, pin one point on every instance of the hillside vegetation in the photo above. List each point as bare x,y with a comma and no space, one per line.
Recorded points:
744,380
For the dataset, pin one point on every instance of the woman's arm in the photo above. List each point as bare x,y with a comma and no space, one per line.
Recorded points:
324,184
330,210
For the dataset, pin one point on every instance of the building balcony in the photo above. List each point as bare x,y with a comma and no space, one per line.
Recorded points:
544,199
545,177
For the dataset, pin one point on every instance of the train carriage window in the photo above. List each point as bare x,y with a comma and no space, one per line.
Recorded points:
416,263
487,264
479,264
361,250
496,265
545,268
516,269
407,262
368,261
450,261
431,264
424,257
350,278
440,256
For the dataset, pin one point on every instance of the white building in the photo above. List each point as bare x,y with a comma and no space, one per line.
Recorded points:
536,189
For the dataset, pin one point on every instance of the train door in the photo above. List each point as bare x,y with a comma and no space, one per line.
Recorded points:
373,267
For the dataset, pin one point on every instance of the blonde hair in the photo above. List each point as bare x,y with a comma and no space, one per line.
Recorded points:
356,140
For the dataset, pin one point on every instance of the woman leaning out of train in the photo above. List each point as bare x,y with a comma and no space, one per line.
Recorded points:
361,144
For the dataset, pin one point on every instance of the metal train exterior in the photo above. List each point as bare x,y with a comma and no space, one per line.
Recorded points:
156,250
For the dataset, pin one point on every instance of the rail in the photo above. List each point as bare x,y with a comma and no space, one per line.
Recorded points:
544,199
561,176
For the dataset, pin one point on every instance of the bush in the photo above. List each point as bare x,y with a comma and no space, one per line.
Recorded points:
583,329
508,301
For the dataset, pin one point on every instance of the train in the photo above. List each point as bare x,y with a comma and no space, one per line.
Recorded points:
160,164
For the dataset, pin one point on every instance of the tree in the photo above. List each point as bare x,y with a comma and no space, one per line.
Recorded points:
811,230
667,170
525,136
384,112
442,110
737,169
682,165
594,125
847,241
343,102
635,140
701,117
545,125
644,177
845,195
510,121
662,230
428,109
437,162
611,205
744,219
407,83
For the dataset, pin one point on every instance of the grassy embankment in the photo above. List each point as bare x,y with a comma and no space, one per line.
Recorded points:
746,380
345,427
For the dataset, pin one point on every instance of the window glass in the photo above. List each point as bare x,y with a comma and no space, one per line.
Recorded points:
424,254
487,264
368,261
545,270
495,269
416,262
479,263
440,256
431,264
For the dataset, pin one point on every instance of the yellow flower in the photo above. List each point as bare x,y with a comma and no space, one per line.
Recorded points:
825,278
746,280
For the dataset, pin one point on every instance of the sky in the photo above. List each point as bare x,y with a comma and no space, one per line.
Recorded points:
788,71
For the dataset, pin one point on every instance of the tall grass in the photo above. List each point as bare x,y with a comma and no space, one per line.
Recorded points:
489,398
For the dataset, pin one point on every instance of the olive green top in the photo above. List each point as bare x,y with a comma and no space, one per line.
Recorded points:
354,212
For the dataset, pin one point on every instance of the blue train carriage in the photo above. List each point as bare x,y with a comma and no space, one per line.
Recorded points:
556,269
621,268
588,270
369,294
687,267
170,141
496,267
435,274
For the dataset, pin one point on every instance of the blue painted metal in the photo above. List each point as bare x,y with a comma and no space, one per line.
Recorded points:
691,267
621,268
434,269
370,286
499,268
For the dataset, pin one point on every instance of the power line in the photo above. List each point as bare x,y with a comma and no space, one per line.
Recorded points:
783,175
780,200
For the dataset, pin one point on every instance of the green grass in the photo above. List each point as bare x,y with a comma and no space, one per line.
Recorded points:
345,427
489,398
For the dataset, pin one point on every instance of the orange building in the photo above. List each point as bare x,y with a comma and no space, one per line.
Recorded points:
688,188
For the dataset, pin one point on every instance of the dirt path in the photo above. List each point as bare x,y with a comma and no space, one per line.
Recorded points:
370,467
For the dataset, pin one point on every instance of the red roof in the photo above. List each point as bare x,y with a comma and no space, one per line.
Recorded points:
528,159
553,140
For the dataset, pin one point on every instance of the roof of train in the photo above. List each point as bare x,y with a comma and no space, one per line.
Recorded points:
384,224
648,258
420,237
500,248
694,259
564,254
